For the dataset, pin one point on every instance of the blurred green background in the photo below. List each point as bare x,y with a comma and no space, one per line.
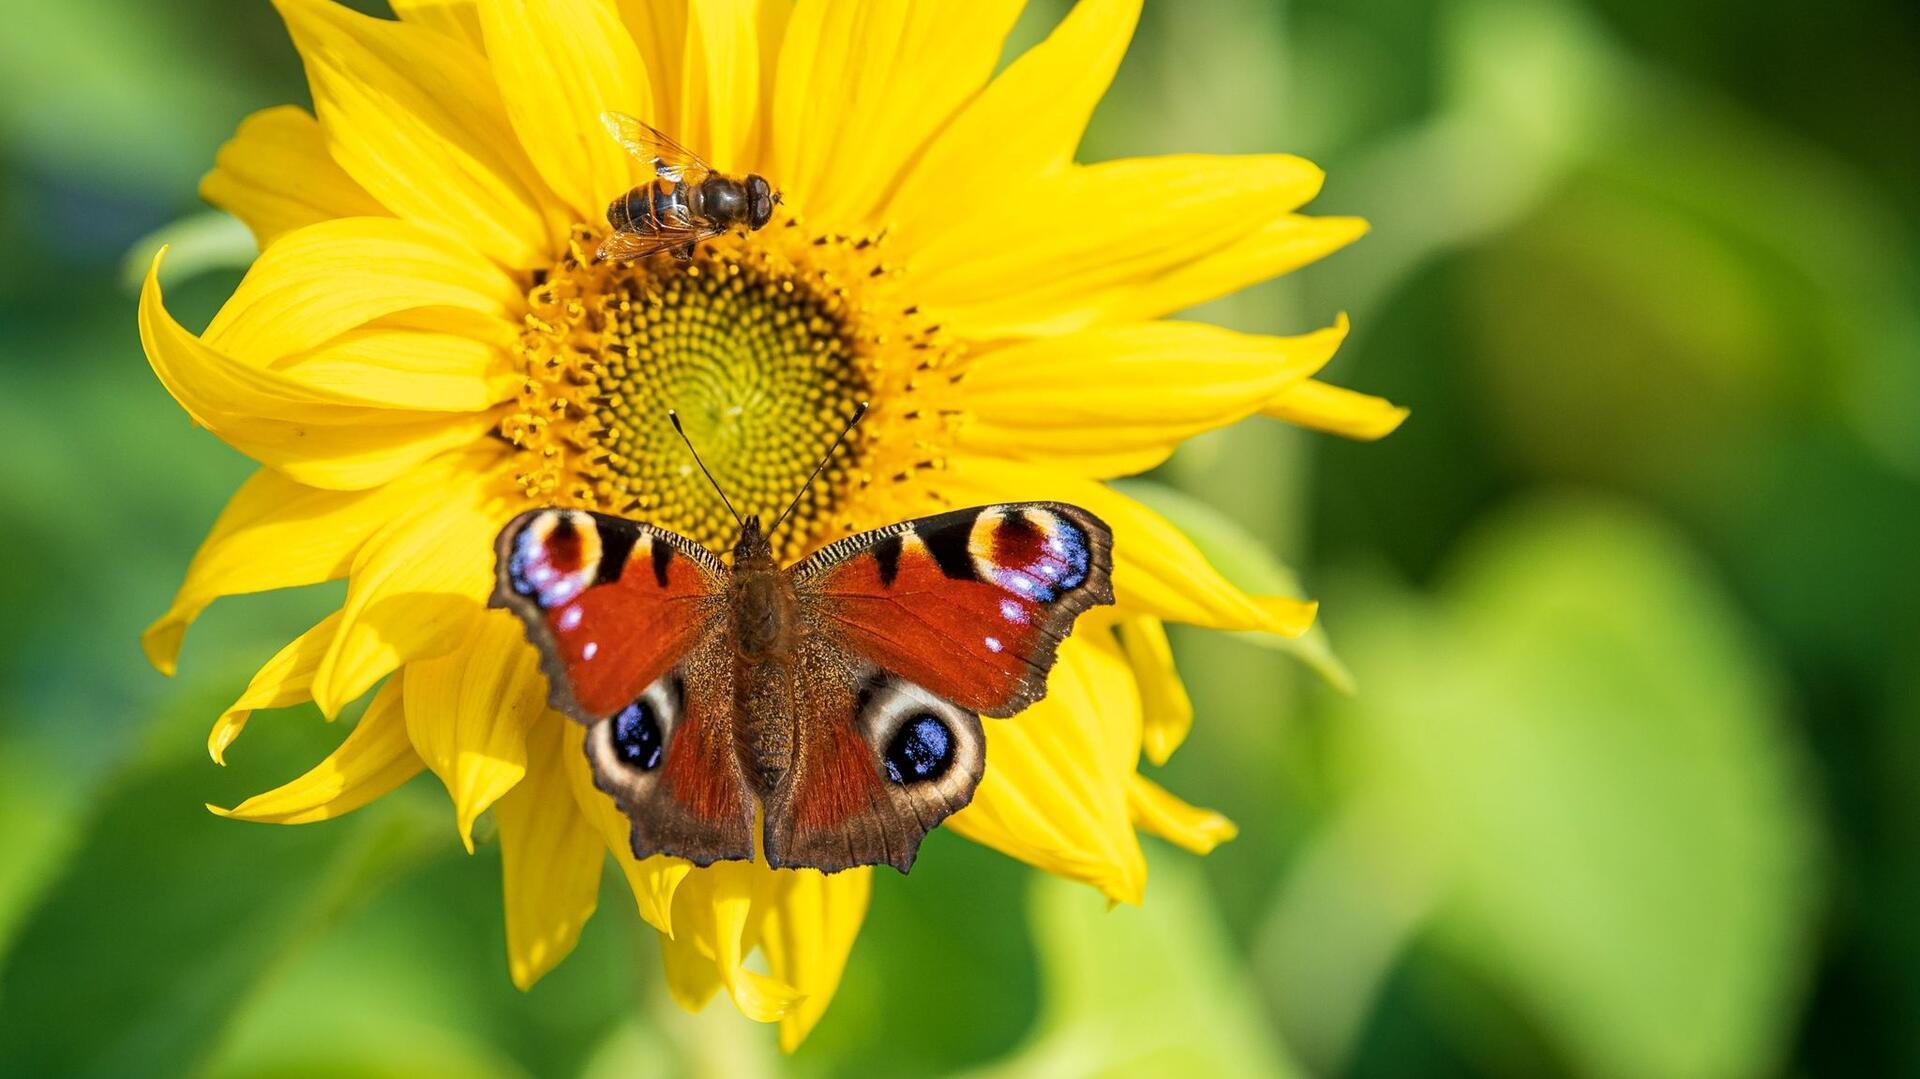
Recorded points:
1630,603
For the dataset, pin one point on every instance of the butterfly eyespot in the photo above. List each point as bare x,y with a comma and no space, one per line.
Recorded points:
636,735
921,749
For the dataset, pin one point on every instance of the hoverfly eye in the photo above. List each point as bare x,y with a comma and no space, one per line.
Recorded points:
760,200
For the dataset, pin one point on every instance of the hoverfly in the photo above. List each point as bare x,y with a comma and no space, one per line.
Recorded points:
685,203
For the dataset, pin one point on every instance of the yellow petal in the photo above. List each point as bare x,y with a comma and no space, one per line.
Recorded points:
808,932
658,29
468,713
375,758
717,914
1280,246
655,880
1092,236
1026,123
415,117
1340,411
404,369
325,279
275,175
692,976
276,533
1055,791
561,63
456,19
770,35
1156,569
315,434
720,82
1138,390
862,85
416,586
287,679
1198,830
1166,711
550,858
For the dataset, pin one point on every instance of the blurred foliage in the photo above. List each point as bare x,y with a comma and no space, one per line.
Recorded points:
1623,787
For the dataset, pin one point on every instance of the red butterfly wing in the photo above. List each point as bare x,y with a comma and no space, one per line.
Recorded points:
627,618
971,605
612,604
879,762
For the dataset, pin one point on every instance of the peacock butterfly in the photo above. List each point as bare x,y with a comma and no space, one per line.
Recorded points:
840,696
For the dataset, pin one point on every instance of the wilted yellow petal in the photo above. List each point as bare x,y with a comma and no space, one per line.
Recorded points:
1198,830
1056,788
655,880
416,118
1340,411
416,587
1027,122
550,857
807,934
1156,569
468,713
275,175
560,64
375,758
862,84
1166,711
287,679
1129,409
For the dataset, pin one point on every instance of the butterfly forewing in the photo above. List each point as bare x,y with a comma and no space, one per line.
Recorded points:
972,604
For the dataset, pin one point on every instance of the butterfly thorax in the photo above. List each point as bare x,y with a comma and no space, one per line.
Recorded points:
763,624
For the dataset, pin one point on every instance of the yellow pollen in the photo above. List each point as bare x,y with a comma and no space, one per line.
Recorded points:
764,345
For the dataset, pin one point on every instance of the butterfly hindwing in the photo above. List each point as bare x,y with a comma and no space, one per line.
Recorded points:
668,762
879,762
627,619
971,605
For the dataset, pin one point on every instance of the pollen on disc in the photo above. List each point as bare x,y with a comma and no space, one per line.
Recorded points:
764,346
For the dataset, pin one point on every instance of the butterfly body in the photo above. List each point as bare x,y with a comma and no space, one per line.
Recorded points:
839,697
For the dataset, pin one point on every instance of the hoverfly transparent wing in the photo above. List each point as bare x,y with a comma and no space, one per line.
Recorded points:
651,147
626,246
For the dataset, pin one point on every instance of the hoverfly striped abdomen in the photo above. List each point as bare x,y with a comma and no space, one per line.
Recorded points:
684,204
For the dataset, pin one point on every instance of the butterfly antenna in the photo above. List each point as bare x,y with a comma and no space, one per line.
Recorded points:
675,417
822,466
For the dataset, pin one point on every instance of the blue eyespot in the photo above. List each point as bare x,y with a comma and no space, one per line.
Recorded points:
636,736
922,749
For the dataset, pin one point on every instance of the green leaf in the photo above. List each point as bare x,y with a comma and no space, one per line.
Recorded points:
196,244
167,918
1244,560
1142,991
1584,748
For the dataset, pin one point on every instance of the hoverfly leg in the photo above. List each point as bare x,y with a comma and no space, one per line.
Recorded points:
684,252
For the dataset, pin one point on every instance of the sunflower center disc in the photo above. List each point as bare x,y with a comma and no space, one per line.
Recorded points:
764,356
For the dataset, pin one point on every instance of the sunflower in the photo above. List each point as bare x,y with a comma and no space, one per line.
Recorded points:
425,347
